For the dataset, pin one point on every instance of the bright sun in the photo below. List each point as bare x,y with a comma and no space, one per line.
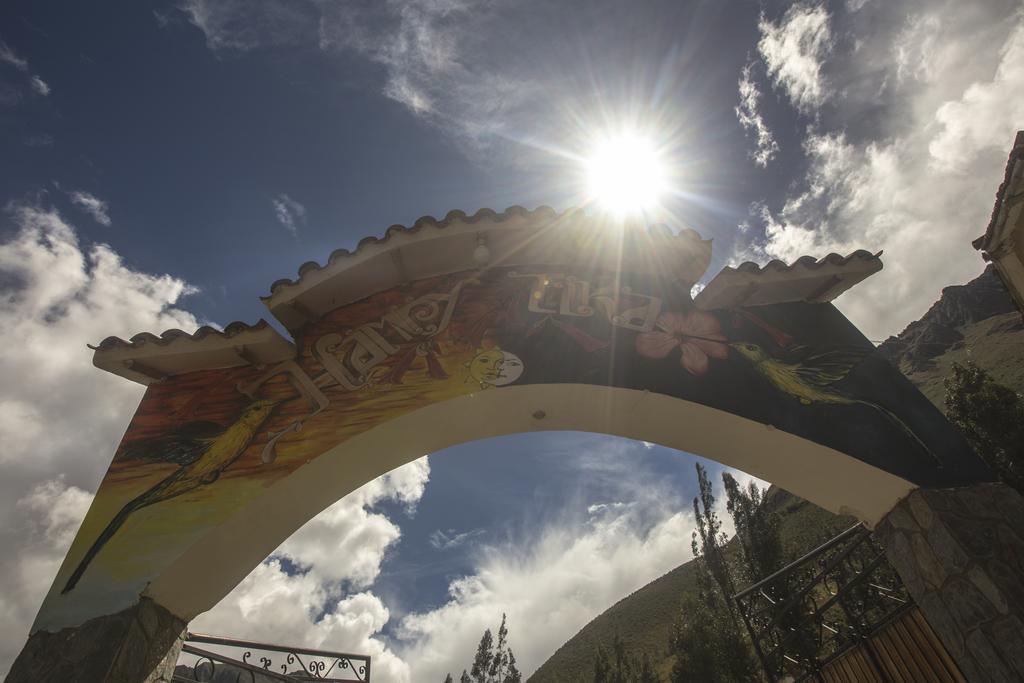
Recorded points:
625,175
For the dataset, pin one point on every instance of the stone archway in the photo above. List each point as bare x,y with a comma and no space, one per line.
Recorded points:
471,327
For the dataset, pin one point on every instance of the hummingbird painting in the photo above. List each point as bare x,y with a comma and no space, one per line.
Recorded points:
202,450
810,380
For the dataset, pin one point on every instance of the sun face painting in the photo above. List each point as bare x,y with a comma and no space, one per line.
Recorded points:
494,367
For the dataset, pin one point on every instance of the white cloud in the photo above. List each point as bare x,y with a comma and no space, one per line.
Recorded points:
39,528
912,159
290,214
794,50
60,418
271,605
987,112
92,205
8,56
549,588
43,140
56,509
564,573
448,539
617,506
752,121
338,551
432,66
39,86
441,58
346,542
241,25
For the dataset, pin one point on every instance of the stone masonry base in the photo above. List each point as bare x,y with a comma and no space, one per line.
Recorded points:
960,553
138,645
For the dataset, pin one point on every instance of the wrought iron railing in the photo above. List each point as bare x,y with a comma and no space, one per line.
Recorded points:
830,600
213,659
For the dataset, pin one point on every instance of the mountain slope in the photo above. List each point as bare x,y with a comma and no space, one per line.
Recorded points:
644,619
976,321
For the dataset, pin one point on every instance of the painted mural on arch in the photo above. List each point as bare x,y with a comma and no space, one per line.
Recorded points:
204,443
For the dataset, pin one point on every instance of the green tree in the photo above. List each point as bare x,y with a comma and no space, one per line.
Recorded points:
646,673
602,667
622,666
708,643
708,540
503,663
482,661
757,529
448,679
708,639
991,416
492,664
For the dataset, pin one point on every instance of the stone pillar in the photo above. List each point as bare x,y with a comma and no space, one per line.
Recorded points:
138,645
960,553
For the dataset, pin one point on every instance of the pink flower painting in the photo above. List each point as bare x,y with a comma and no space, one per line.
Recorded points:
696,333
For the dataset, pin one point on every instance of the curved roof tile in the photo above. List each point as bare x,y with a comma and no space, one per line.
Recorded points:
147,356
805,279
806,262
419,224
169,336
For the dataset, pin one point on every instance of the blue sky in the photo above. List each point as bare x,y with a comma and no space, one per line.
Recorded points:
504,489
189,143
162,163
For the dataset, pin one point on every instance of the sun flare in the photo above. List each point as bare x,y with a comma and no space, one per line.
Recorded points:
625,175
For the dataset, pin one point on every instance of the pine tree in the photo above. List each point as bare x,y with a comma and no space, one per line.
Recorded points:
623,662
646,673
991,416
492,664
482,662
708,540
602,667
503,664
757,532
627,668
708,640
757,529
512,674
448,679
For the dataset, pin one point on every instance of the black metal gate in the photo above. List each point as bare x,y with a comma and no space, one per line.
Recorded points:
833,599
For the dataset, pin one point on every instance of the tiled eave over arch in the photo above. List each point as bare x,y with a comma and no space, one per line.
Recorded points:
514,237
459,242
147,358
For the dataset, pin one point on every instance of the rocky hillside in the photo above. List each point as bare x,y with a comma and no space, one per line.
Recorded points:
976,321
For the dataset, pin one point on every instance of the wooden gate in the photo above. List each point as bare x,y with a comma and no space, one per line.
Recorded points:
905,650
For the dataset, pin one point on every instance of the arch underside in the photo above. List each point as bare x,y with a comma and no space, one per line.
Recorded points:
822,475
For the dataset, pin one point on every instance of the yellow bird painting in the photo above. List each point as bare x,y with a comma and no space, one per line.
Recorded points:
810,380
203,456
